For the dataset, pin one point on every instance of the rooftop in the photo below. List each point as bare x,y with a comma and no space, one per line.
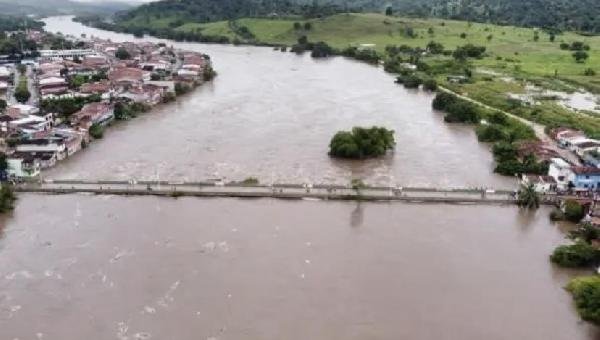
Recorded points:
586,170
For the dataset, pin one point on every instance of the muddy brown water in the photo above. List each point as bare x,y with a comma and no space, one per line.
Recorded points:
271,115
102,267
105,267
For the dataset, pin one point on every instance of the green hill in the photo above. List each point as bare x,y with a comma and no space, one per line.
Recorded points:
578,15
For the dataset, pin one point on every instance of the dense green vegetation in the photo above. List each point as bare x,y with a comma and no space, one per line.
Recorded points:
64,107
586,293
7,198
60,7
554,15
577,255
22,93
528,198
18,23
124,111
583,253
96,131
362,143
574,211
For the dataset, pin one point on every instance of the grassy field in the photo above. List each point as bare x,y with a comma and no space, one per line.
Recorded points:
511,52
541,58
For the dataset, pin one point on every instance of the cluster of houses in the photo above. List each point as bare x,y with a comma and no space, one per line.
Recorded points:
578,174
34,138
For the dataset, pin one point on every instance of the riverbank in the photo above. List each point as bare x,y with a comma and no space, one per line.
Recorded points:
189,268
74,94
524,55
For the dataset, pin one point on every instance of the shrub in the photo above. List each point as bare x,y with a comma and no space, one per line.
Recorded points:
589,72
321,50
430,84
491,133
585,232
96,131
462,112
435,48
573,211
443,100
576,255
412,81
504,151
181,88
557,215
250,181
7,198
586,293
580,56
468,51
122,53
362,142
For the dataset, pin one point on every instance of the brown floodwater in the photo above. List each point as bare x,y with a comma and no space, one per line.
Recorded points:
271,115
108,267
92,267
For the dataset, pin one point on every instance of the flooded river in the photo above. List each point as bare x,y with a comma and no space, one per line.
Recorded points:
271,115
78,267
91,267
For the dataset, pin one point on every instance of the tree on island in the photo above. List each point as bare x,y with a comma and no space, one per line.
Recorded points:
361,143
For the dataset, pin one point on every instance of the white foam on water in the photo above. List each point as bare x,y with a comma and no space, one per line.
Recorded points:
122,329
121,254
149,310
208,247
83,245
168,298
142,336
23,273
224,246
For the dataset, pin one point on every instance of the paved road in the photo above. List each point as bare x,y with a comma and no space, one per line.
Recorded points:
31,85
539,129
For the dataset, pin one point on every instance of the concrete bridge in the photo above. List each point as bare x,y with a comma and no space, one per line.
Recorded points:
282,191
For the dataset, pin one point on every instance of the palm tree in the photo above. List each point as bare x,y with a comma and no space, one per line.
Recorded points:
528,197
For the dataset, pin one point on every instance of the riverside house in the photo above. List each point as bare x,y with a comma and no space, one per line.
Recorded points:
585,178
93,113
20,166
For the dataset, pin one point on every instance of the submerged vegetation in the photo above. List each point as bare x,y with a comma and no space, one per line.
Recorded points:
586,293
362,143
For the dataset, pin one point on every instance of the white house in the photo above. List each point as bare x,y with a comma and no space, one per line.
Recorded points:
542,184
580,148
22,167
55,145
560,170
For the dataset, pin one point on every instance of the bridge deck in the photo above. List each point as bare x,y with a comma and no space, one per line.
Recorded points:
285,191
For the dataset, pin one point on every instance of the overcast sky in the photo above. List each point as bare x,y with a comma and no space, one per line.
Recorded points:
129,1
